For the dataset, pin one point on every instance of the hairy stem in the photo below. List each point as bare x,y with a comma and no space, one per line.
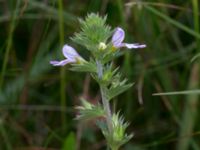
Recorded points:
107,108
104,99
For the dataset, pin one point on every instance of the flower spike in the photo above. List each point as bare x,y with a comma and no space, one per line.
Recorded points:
71,55
118,38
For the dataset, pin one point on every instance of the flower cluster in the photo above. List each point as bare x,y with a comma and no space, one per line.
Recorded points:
72,55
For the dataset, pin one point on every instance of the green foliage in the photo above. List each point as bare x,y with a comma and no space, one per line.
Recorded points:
30,94
70,142
93,32
117,89
178,93
89,111
84,67
118,137
195,57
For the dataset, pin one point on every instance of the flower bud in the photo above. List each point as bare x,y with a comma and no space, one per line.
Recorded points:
102,46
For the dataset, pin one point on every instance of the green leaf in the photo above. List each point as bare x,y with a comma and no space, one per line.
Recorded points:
84,67
69,142
89,111
116,90
118,137
195,57
178,93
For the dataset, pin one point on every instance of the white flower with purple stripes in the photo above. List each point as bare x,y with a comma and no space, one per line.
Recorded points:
118,37
71,57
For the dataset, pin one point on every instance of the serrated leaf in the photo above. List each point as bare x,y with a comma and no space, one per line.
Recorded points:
118,137
89,111
115,91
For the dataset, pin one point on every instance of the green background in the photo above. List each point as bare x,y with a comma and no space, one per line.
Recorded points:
37,100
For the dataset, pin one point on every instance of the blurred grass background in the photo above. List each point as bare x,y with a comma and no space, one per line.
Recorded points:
37,100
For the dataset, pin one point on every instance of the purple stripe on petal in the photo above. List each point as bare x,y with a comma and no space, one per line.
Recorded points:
130,46
69,52
118,37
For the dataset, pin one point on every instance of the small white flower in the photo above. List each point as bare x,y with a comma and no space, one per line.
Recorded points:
118,38
71,56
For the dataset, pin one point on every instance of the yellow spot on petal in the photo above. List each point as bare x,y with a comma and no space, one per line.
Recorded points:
79,60
113,49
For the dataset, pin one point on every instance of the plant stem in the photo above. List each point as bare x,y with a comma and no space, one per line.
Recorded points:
62,71
191,104
107,109
5,136
104,99
9,43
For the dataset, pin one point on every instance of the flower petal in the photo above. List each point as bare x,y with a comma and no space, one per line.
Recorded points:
118,37
135,45
62,62
69,52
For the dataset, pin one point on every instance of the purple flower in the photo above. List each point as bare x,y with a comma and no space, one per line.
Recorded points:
118,38
71,55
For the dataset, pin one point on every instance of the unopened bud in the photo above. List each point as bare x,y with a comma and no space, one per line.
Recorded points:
102,46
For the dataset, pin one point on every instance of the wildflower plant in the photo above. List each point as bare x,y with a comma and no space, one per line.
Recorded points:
104,45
